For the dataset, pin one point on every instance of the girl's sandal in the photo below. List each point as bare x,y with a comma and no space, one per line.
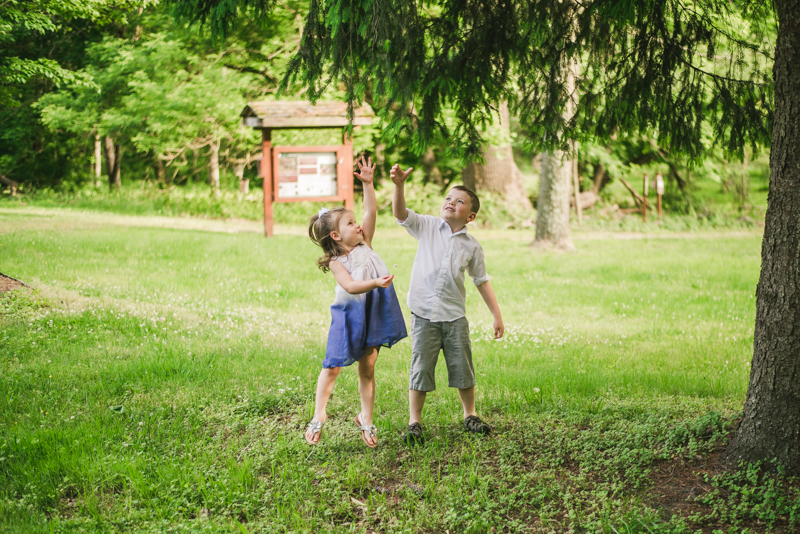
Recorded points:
314,427
370,430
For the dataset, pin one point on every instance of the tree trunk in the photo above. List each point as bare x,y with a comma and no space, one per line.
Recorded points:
113,155
98,160
552,217
244,185
195,170
117,177
500,174
770,427
600,178
555,185
161,172
14,186
213,167
432,172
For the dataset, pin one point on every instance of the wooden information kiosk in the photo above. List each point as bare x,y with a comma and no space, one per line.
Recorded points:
304,173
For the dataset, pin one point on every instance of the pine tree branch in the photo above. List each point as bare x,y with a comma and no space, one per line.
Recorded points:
252,70
709,22
721,78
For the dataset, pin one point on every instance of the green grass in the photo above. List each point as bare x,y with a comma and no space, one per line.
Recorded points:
160,380
708,206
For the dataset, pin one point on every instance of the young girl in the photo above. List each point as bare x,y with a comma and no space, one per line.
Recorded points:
365,313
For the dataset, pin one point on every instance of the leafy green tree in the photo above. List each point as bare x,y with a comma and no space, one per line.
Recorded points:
19,61
170,92
661,68
42,48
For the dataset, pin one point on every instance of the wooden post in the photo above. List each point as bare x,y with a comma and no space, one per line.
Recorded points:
659,192
344,174
644,199
576,183
266,174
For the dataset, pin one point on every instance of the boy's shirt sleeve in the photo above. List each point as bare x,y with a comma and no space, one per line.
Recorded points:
418,225
476,268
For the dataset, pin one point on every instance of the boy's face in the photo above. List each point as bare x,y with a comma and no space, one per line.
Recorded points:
457,208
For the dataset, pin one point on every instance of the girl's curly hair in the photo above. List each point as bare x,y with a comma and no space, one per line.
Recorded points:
319,230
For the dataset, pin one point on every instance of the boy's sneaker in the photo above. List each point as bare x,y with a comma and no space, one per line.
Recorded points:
476,426
413,435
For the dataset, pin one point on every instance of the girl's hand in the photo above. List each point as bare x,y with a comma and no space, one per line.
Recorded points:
366,170
398,175
384,281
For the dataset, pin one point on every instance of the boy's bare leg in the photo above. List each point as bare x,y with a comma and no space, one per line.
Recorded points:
468,401
416,400
366,386
325,382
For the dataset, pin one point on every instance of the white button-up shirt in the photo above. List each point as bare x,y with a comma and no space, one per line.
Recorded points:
437,279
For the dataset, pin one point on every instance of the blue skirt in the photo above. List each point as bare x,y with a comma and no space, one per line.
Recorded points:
358,323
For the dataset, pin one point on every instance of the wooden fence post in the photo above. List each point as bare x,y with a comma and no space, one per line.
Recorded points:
266,174
659,192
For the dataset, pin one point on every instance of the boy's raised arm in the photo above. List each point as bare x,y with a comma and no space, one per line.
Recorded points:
399,198
366,173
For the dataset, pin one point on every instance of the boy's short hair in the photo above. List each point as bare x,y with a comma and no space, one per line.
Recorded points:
474,201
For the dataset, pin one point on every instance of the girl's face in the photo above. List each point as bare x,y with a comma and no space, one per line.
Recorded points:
350,233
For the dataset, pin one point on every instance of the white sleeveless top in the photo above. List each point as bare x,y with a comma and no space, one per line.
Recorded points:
362,263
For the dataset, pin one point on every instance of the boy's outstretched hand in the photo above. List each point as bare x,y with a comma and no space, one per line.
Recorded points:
366,170
384,281
398,175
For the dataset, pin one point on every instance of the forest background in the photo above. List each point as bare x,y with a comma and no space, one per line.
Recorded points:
116,106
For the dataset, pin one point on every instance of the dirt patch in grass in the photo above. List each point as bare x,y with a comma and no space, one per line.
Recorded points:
678,483
9,284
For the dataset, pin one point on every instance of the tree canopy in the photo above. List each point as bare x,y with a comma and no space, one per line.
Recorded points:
665,69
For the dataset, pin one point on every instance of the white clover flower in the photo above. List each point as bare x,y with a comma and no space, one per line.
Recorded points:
536,390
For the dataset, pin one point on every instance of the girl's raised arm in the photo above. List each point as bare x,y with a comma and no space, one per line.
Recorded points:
366,171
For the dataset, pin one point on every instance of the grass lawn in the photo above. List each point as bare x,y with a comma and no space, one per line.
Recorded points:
159,379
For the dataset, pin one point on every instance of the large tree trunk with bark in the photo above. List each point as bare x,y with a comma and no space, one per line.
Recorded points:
500,174
770,427
113,156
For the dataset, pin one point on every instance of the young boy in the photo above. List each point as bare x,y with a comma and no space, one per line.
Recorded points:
437,299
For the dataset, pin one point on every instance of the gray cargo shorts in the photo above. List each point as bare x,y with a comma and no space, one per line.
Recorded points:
427,339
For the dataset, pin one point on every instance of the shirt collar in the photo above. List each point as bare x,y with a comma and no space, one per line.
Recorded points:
444,224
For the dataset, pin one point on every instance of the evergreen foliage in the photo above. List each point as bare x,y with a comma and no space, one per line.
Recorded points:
660,68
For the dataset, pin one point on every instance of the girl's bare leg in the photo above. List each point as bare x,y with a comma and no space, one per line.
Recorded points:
366,386
325,382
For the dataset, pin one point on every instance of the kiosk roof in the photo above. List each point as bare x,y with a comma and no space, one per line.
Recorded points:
301,114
